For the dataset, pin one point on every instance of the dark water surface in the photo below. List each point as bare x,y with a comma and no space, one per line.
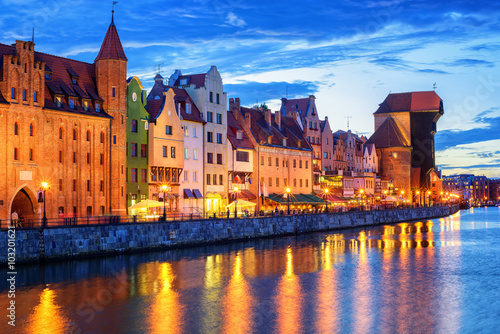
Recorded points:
436,276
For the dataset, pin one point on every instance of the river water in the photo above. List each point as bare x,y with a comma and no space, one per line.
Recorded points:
436,276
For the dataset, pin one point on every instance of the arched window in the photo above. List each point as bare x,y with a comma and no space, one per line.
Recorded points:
134,126
60,133
88,135
31,129
102,137
16,128
74,134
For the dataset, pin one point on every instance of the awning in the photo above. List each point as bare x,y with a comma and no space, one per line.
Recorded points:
244,194
197,193
188,193
309,199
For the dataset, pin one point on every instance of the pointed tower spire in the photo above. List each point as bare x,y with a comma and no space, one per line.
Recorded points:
111,47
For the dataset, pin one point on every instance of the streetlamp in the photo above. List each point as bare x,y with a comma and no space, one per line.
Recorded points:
164,188
429,198
45,186
361,192
288,190
441,193
236,202
403,197
418,196
385,199
326,199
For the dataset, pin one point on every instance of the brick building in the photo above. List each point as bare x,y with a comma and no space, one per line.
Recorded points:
62,122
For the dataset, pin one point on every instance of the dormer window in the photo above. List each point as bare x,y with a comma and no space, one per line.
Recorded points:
47,76
58,101
74,81
72,104
97,107
284,141
188,108
184,81
239,134
86,105
269,139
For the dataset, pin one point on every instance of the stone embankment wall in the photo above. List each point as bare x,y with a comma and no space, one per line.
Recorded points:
65,242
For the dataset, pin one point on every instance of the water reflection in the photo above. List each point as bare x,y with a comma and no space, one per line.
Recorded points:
400,278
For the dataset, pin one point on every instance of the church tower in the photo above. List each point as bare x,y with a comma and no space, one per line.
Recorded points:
111,77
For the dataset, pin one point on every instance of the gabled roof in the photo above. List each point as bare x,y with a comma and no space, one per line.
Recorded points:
111,47
369,148
290,130
193,79
299,105
153,107
232,128
413,101
388,135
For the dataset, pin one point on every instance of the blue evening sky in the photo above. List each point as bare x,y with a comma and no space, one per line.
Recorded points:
349,54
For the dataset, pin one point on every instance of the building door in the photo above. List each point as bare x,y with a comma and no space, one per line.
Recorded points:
23,204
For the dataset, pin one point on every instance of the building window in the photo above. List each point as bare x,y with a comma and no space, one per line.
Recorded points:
74,157
89,211
262,161
210,136
221,180
307,164
113,93
210,158
114,139
285,181
208,179
60,156
16,153
211,97
277,162
85,105
186,153
172,151
219,118
133,149
31,129
294,163
195,154
13,93
102,137
270,181
277,182
101,159
219,159
307,183
144,175
16,128
214,179
186,131
210,116
74,134
88,158
24,94
101,188
168,129
218,98
144,152
60,184
219,138
165,152
88,185
134,126
133,175
97,107
295,183
242,156
195,130
300,183
74,184
186,176
239,135
195,176
269,161
88,135
300,163
72,104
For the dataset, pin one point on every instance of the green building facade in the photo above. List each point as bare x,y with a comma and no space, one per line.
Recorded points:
137,145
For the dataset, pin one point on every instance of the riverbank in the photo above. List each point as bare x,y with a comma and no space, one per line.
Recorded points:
34,245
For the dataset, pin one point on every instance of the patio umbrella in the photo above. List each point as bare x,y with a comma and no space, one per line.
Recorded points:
390,199
147,203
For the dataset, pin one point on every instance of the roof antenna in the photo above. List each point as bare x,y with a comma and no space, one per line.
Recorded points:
348,121
434,86
159,68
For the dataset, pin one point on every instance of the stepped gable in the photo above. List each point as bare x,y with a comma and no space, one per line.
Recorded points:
388,135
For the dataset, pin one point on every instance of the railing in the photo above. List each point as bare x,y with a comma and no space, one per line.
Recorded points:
182,217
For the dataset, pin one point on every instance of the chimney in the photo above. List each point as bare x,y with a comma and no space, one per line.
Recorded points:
248,121
277,118
267,114
237,103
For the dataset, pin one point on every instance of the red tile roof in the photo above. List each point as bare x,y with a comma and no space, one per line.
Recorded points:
232,128
153,107
194,79
388,135
414,101
111,47
299,105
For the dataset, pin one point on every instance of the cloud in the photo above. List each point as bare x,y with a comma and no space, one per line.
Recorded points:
470,63
449,138
235,21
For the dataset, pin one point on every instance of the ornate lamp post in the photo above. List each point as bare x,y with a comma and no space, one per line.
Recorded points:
45,186
288,190
236,202
164,188
326,199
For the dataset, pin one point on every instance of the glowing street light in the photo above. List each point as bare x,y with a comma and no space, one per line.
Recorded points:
236,202
164,188
288,190
326,199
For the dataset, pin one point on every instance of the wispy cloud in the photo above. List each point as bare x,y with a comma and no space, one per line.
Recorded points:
235,21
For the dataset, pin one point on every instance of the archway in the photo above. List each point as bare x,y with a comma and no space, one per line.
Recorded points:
24,204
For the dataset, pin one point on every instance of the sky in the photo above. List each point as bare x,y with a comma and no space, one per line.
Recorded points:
349,54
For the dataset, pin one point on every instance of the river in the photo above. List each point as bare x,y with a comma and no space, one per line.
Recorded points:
440,275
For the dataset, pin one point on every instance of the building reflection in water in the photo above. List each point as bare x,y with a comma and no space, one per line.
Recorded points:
288,300
362,292
211,295
166,311
48,317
